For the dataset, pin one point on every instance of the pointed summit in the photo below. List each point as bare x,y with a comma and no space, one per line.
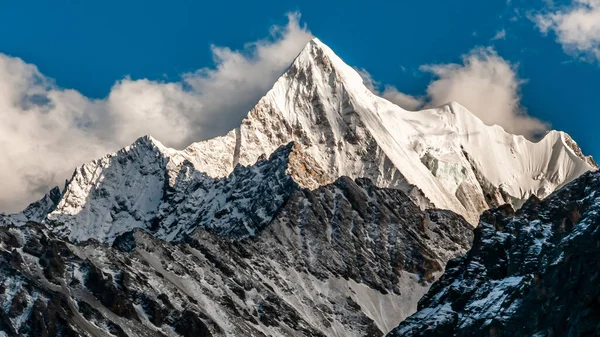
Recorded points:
312,48
318,54
315,50
152,143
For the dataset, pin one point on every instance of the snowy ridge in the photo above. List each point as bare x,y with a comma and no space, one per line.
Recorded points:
149,186
242,203
530,273
113,194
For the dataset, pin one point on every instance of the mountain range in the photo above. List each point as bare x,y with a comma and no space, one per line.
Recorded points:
329,211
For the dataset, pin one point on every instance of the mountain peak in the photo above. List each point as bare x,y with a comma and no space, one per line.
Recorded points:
435,156
314,45
317,45
317,53
150,142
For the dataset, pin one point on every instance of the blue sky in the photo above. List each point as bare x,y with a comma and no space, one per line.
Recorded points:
99,49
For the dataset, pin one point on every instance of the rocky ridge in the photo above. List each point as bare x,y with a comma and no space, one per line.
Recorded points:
529,273
345,259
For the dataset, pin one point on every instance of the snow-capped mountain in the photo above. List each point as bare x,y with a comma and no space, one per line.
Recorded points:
444,158
533,273
319,215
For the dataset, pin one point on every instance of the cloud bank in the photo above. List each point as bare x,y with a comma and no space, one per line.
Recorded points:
47,131
577,28
484,83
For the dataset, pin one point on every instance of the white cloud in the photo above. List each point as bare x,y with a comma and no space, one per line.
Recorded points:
390,93
488,86
577,27
46,131
406,101
500,35
484,83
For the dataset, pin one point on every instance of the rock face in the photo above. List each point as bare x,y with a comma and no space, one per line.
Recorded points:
345,259
242,203
530,273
